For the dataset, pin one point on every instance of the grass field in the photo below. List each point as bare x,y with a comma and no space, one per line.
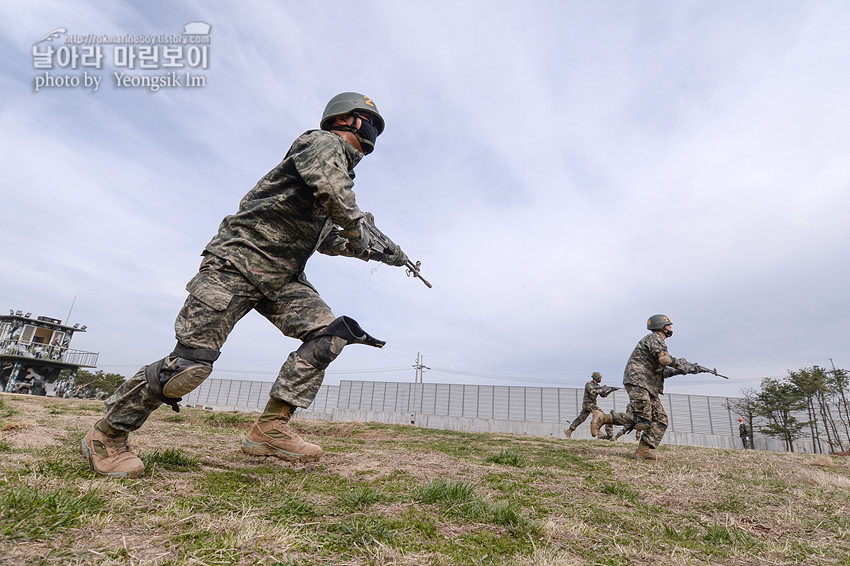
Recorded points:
385,494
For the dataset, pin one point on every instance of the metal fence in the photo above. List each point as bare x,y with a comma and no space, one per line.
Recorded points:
36,351
687,413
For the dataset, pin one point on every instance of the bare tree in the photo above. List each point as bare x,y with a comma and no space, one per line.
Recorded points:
743,407
838,382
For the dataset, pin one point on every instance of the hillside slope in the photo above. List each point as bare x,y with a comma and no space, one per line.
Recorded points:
401,495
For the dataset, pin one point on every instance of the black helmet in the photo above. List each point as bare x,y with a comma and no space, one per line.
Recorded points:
657,322
347,102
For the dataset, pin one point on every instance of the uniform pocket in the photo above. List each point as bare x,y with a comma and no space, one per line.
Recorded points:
210,291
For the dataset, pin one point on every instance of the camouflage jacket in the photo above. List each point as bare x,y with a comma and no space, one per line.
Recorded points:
649,364
591,392
298,208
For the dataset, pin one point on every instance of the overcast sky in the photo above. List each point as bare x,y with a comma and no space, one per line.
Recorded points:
563,170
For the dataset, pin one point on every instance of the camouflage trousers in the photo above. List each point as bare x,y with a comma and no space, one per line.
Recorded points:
219,296
643,406
586,411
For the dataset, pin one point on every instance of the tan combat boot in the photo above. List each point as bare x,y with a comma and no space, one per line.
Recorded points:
600,419
108,453
569,433
271,436
646,452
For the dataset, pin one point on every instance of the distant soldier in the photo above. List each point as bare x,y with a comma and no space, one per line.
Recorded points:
746,435
648,366
592,390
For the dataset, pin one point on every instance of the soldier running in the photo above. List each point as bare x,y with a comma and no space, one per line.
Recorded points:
648,366
256,262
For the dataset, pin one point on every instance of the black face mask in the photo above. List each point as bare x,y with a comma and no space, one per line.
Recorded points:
366,135
668,333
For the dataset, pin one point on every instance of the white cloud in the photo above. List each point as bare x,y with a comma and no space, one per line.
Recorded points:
563,170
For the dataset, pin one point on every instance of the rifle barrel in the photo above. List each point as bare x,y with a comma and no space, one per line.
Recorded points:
414,269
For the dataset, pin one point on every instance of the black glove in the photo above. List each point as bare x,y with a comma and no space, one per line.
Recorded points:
688,367
394,257
359,239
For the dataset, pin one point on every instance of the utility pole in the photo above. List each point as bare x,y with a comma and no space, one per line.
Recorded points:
417,380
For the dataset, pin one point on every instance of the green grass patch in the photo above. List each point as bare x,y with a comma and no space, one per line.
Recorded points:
729,503
621,490
67,408
170,459
61,464
28,513
360,497
724,540
508,458
569,460
460,501
230,419
486,546
287,506
445,492
6,411
362,530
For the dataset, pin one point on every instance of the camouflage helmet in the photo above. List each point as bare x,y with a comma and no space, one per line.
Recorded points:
347,102
596,375
657,322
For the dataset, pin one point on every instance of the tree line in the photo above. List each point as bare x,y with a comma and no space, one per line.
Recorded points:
88,385
811,402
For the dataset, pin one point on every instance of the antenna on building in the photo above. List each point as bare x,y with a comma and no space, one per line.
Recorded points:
67,320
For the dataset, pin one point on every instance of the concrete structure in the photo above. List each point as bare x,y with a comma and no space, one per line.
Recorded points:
33,351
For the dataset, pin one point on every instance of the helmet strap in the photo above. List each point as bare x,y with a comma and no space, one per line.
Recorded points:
365,142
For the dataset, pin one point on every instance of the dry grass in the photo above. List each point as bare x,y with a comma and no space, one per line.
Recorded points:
528,501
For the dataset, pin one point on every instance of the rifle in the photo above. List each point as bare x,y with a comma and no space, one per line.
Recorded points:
626,430
388,247
703,369
606,390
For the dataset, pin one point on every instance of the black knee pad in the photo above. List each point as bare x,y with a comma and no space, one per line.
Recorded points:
181,372
327,344
347,328
321,351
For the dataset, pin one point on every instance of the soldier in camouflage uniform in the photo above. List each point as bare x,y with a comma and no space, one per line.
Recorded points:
592,390
744,432
256,262
648,366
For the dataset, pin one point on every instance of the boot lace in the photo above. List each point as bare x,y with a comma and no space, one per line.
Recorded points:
117,445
